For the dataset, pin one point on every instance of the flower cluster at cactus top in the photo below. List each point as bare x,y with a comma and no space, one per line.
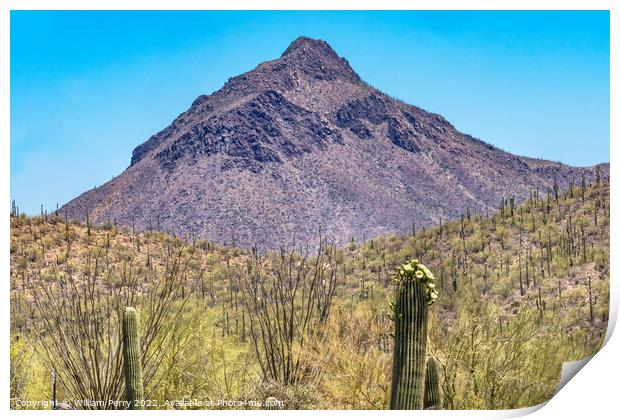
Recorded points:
412,270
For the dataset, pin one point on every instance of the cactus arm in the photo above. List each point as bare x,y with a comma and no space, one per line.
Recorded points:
432,390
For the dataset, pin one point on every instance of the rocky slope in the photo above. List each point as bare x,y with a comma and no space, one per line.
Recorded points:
302,141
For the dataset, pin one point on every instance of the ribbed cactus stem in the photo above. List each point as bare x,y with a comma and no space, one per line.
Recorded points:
432,390
134,388
411,324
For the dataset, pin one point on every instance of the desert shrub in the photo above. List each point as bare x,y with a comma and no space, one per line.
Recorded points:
79,326
294,396
356,358
27,378
288,303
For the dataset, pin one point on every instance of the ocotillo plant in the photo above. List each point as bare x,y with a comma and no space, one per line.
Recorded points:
432,390
415,292
134,388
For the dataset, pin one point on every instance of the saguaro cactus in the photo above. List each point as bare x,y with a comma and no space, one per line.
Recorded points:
415,292
134,388
432,391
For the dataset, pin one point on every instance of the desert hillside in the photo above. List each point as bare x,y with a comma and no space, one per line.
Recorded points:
522,289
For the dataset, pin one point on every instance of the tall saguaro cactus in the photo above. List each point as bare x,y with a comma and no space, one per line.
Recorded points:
432,391
134,388
415,292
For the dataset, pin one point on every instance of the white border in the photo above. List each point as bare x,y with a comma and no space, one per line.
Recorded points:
593,395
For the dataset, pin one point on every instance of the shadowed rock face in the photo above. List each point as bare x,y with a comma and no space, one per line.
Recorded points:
300,142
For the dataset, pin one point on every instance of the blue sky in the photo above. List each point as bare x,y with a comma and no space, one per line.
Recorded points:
87,87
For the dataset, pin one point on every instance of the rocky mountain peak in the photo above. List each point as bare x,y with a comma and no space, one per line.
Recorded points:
300,141
304,43
318,59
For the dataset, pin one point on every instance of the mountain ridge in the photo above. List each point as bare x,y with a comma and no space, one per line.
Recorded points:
302,141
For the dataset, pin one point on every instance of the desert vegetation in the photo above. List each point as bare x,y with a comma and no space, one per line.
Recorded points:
104,314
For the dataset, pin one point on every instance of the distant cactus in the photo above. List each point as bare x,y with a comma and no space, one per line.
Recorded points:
272,403
415,292
432,390
134,388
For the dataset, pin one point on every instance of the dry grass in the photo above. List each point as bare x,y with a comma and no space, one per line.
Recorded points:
497,347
